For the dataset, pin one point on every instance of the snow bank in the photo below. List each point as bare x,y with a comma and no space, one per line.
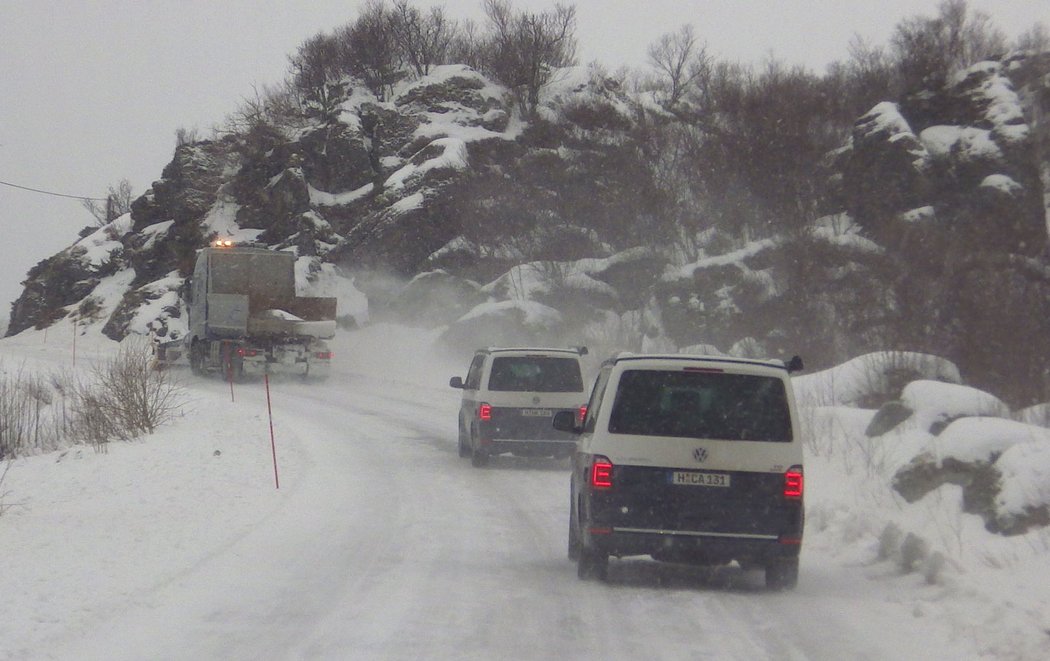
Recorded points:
936,403
873,375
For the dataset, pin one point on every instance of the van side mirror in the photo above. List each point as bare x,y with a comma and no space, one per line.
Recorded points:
566,421
795,364
456,382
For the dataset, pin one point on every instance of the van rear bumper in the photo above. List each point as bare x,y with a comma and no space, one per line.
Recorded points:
704,548
529,447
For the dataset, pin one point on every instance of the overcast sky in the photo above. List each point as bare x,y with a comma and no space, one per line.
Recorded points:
92,92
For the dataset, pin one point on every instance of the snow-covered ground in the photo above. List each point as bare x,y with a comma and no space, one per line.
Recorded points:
382,543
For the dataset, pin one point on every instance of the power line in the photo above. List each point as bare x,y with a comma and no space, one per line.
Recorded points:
47,192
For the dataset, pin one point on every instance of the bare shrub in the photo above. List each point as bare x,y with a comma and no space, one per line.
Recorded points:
368,49
929,50
314,68
914,551
523,49
1036,38
29,419
117,203
128,396
3,506
185,136
424,39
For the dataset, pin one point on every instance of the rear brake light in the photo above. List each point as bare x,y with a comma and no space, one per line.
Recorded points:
323,355
485,412
793,483
242,352
601,473
710,370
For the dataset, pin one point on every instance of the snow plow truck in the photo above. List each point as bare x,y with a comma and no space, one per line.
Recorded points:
246,319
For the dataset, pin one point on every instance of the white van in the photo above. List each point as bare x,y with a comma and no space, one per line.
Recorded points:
690,459
510,397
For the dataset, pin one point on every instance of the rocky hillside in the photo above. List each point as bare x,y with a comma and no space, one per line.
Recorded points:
446,208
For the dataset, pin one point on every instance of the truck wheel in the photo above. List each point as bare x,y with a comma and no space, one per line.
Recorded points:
196,358
782,574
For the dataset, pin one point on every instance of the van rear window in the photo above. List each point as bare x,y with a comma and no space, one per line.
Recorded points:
734,407
535,374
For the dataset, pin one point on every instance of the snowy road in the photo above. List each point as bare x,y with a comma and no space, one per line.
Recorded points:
381,543
389,546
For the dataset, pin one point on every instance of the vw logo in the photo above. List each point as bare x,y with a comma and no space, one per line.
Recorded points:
700,454
535,400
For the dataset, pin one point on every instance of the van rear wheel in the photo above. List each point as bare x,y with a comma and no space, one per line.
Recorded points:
478,458
782,574
464,448
574,538
592,564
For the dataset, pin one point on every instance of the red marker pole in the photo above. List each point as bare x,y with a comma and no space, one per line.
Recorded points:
229,366
74,341
273,444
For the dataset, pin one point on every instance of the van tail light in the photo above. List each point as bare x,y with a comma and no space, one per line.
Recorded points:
323,355
793,483
601,473
485,412
581,414
247,353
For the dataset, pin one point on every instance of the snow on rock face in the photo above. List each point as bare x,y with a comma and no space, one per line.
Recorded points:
1025,470
884,122
972,134
1001,465
919,216
444,153
1003,184
884,172
993,100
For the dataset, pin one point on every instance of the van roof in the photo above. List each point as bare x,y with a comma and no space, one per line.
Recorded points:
575,351
684,357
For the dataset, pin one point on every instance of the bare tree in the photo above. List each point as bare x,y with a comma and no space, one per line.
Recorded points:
1036,38
929,50
315,68
467,46
680,61
368,48
185,136
424,39
524,48
117,203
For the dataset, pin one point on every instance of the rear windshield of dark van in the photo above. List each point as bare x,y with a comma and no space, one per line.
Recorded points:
536,374
735,407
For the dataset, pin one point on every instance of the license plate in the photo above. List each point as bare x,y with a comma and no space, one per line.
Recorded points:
694,479
537,413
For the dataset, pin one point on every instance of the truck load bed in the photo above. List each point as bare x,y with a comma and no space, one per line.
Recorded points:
280,322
